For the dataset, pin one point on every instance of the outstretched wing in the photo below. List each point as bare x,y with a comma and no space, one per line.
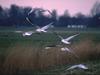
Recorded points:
32,23
70,37
47,26
30,11
49,12
77,66
72,67
29,21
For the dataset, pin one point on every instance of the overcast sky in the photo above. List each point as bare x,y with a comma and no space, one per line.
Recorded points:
73,6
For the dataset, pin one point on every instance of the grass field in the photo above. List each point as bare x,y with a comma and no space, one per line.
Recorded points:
26,55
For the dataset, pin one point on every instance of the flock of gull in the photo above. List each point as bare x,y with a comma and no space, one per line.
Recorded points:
44,29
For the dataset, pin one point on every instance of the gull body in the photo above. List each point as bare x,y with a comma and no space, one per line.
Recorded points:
43,29
47,47
68,50
28,33
51,46
65,49
40,29
66,40
81,66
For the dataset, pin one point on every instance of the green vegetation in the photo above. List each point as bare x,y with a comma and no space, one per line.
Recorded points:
26,55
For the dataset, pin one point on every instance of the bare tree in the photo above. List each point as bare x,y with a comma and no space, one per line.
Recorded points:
55,15
66,13
79,15
95,9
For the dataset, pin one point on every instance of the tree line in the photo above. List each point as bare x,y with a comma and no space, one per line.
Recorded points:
16,16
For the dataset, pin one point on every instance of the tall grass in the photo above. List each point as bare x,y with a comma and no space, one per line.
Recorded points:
28,53
28,57
87,50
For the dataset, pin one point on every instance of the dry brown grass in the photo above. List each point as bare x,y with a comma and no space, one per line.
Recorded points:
98,48
21,57
86,49
27,57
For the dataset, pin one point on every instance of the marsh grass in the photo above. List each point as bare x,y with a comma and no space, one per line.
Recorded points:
84,49
27,54
28,57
